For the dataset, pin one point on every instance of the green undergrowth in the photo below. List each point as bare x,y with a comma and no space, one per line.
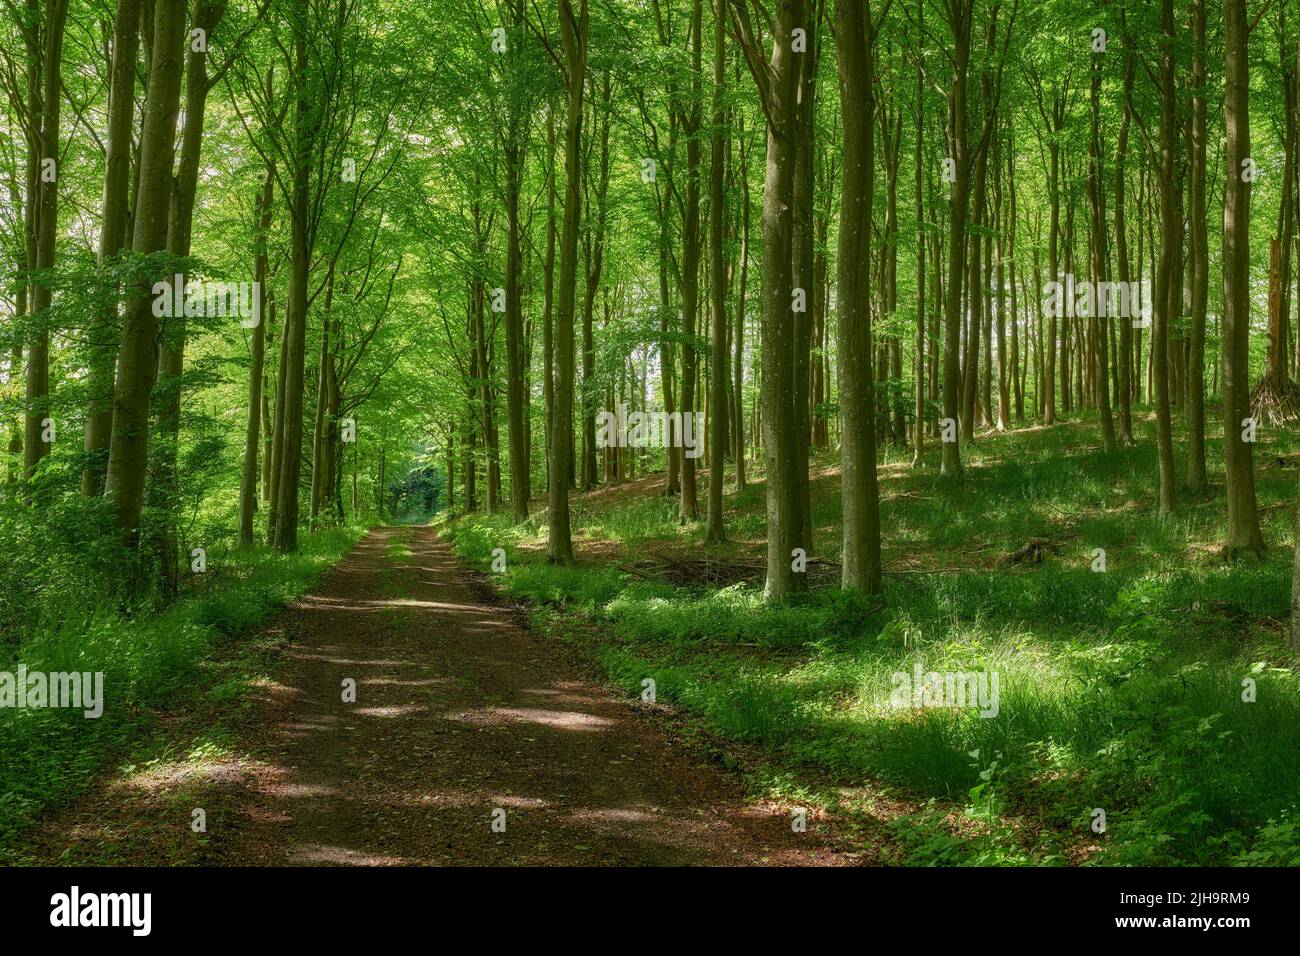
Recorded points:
1119,691
149,661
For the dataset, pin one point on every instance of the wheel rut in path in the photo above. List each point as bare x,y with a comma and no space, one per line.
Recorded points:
461,712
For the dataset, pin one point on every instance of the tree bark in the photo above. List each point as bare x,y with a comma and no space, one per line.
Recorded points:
1099,320
257,360
1198,262
1170,226
1243,538
37,443
573,31
958,199
295,325
861,568
716,531
738,357
112,237
136,363
1122,263
691,250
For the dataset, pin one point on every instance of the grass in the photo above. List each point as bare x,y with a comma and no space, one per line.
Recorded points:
149,662
1122,692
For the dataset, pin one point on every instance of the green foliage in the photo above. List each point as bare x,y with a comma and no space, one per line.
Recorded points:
1120,690
51,755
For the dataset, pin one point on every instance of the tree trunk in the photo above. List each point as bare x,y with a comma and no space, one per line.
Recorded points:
516,358
112,237
164,480
573,30
1170,226
1099,318
248,474
861,570
918,357
295,325
129,445
716,532
738,358
1122,263
548,297
38,440
691,243
959,196
595,268
1198,262
1244,536
803,275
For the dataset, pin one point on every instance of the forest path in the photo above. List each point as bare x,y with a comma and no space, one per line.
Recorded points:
460,713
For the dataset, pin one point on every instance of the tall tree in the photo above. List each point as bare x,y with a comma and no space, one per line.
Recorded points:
855,36
37,440
112,237
1243,537
691,250
257,357
1198,262
1168,287
776,80
515,133
129,445
1099,319
1122,266
171,343
573,33
960,14
918,353
716,531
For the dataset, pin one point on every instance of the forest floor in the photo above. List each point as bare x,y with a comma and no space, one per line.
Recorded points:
461,713
1144,683
1145,687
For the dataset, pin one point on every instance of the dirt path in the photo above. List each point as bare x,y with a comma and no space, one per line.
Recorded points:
460,713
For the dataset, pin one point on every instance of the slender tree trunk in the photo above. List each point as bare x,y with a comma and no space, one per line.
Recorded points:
716,531
573,30
959,197
548,297
738,358
257,358
1099,318
320,423
1170,225
595,268
112,237
295,326
691,243
918,357
975,306
38,439
1122,263
861,504
1243,536
164,479
1198,262
129,445
516,357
